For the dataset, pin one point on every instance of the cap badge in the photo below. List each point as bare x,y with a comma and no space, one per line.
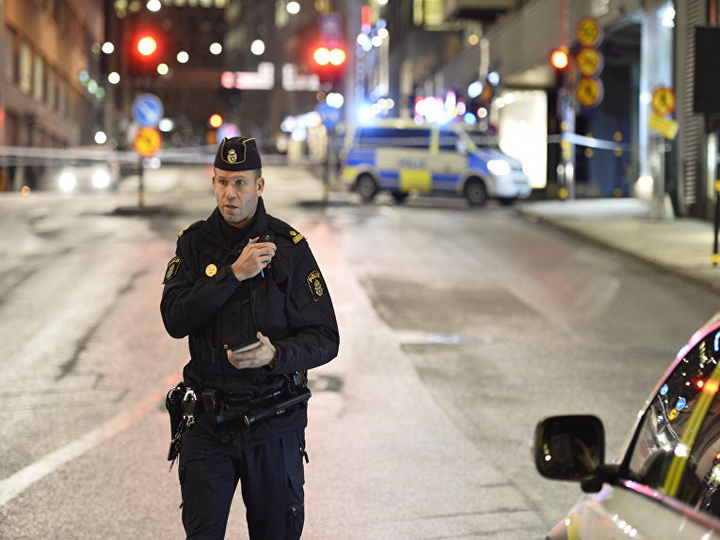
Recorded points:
232,155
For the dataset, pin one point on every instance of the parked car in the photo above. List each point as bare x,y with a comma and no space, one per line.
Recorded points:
85,177
665,483
400,157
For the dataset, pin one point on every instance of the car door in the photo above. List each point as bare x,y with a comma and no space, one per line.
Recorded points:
450,163
403,159
669,486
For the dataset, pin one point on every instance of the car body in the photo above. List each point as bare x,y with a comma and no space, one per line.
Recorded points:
401,156
666,480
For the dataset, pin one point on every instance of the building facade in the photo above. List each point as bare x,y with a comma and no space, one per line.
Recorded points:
50,55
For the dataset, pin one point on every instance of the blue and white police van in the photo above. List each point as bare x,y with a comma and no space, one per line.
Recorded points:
403,157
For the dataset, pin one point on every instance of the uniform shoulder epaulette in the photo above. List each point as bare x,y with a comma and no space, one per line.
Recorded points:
283,229
191,227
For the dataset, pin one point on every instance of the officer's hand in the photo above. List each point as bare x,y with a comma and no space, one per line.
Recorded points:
254,358
253,259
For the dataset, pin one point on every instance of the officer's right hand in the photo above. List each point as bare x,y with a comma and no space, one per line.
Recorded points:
253,259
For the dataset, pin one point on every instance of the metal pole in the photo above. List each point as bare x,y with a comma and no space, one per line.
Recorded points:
141,184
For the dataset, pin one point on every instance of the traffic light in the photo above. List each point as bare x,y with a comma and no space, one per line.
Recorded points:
146,50
146,45
329,62
560,58
325,56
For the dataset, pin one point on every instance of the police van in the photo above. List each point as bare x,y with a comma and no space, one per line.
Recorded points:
403,157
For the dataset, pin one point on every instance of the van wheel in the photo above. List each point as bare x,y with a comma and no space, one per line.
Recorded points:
399,196
475,192
366,187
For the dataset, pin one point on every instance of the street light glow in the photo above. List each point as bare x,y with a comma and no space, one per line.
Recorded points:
183,57
153,5
108,47
216,48
293,8
257,47
113,77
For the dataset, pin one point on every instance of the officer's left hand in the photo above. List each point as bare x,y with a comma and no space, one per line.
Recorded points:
254,358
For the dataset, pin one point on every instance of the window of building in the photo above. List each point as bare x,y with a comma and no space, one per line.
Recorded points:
52,89
39,79
25,68
11,55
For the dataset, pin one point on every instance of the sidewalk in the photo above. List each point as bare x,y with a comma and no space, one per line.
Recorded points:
681,246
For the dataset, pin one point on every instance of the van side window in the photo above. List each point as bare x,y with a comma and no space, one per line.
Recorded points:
449,140
678,447
384,137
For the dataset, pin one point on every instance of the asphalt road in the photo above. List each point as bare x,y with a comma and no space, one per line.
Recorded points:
460,329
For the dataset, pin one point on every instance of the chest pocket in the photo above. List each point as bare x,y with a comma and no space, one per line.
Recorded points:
238,325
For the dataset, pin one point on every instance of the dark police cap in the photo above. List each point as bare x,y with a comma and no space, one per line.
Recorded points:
238,154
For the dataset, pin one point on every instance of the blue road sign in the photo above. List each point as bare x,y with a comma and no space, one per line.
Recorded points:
330,115
147,110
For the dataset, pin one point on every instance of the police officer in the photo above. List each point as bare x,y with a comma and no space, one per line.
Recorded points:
245,281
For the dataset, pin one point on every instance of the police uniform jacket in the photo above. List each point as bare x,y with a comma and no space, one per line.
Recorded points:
291,305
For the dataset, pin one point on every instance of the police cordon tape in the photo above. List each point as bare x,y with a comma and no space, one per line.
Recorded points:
589,142
192,155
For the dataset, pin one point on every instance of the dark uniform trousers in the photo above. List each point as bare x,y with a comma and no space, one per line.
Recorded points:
271,477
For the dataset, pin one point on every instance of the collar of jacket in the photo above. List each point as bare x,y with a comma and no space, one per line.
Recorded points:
213,231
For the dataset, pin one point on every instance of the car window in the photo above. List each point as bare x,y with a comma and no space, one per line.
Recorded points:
482,139
677,450
449,140
384,137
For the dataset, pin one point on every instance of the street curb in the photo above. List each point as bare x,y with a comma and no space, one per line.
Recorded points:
557,225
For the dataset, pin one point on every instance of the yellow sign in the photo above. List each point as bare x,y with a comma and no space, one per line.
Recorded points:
147,141
590,62
589,91
664,126
588,32
663,101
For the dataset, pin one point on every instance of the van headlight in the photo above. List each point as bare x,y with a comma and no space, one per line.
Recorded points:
67,181
100,179
499,167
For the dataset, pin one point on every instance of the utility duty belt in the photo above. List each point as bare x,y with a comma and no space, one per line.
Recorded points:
184,404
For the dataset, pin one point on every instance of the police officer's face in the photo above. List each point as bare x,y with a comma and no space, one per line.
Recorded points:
237,194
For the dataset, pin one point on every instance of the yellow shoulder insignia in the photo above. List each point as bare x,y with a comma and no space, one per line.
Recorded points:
296,237
190,227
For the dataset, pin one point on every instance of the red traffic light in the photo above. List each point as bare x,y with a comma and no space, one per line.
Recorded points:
324,56
560,58
146,45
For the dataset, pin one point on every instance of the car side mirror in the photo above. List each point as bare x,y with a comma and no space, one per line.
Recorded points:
569,447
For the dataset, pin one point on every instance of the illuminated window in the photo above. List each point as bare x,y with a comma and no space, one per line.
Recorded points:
25,68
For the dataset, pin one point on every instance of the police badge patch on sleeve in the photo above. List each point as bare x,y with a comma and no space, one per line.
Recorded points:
171,269
316,284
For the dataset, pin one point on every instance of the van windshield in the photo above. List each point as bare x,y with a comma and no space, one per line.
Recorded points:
381,136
